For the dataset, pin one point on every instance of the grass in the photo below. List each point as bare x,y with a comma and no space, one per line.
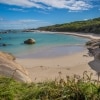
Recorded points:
73,88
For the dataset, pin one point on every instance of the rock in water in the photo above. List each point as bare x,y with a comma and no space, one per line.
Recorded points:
29,41
9,68
4,44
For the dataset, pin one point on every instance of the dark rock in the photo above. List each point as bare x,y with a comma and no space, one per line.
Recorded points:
91,51
93,43
28,31
0,38
29,41
4,44
93,47
96,44
89,43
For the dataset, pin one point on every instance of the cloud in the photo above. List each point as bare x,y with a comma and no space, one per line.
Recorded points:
79,5
17,9
85,19
66,4
22,3
43,12
74,5
21,24
28,21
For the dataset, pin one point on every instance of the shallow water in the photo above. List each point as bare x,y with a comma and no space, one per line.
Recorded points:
47,45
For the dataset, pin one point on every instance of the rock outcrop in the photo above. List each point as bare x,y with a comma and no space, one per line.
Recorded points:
95,43
94,50
9,68
4,44
29,41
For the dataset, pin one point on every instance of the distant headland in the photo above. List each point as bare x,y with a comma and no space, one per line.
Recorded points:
88,26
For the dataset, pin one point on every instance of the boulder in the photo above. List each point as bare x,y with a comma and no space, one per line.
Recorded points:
29,41
9,68
4,44
93,43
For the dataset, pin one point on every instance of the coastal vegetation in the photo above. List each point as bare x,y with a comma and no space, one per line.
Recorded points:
73,88
88,26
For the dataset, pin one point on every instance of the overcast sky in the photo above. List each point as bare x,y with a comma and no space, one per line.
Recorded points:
19,14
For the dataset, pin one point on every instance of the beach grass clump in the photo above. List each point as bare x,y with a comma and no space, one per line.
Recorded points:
71,88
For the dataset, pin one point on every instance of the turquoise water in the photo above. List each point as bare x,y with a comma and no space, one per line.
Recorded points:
47,45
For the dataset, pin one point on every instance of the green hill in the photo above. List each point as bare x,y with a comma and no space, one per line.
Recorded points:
88,26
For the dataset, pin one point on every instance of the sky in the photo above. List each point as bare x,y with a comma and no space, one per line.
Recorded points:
23,14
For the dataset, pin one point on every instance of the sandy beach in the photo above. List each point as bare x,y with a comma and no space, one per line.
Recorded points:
49,69
84,35
43,69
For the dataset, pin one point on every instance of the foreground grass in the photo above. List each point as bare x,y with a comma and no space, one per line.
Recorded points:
73,88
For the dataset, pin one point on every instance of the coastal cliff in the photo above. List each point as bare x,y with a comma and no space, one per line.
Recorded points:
9,68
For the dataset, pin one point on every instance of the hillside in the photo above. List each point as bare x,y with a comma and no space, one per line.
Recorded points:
89,26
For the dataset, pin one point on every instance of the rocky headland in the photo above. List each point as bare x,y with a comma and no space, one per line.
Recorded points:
93,47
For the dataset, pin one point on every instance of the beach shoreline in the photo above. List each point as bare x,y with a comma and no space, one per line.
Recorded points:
84,35
43,69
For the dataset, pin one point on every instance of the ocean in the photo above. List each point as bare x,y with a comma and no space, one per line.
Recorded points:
47,44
